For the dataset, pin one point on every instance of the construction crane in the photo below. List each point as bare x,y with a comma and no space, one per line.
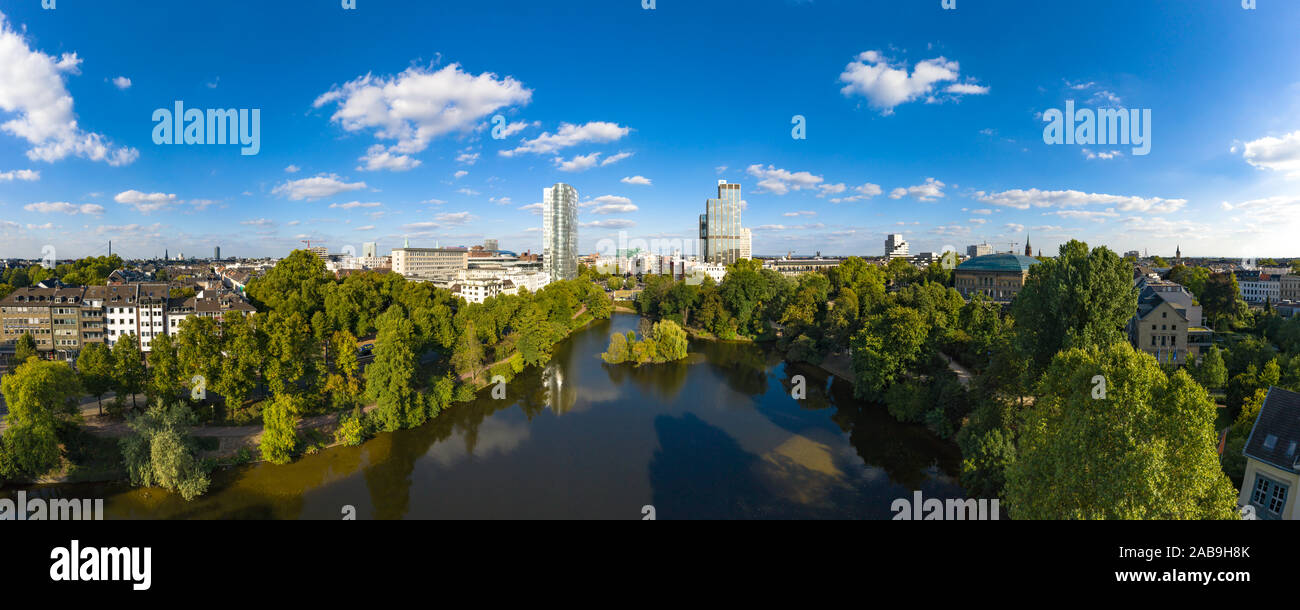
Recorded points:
1013,246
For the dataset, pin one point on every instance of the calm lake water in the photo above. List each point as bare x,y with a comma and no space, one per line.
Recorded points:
714,437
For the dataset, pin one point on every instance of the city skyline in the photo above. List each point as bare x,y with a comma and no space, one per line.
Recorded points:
913,122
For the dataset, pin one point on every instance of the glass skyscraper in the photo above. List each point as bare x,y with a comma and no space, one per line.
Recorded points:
560,231
721,235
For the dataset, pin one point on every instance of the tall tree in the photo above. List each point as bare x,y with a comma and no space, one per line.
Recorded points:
95,369
1221,299
292,353
280,428
129,374
198,349
390,379
1112,437
1212,373
1077,299
242,352
38,394
167,382
297,284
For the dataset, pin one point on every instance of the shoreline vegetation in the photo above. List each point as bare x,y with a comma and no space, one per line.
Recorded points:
293,367
1012,386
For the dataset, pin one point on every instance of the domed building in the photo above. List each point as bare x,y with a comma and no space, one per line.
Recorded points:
997,276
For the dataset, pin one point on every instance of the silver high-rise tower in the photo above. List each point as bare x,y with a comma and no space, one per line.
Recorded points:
721,235
560,231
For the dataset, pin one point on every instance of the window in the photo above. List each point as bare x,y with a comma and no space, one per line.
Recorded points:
1269,495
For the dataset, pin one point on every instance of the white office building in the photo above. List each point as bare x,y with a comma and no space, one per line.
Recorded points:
895,246
560,231
722,239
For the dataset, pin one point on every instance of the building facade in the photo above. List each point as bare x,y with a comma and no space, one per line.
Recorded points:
997,276
1168,323
426,262
979,250
896,247
721,236
1273,458
560,231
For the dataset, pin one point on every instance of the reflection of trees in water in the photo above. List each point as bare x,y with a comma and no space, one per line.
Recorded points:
701,472
663,381
904,451
815,385
742,365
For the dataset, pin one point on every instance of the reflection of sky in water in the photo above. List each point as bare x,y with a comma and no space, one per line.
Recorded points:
715,437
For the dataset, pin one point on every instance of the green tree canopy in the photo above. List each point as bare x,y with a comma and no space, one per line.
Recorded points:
1145,448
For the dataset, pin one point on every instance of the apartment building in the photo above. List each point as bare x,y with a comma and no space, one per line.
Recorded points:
1257,286
204,306
49,312
1289,287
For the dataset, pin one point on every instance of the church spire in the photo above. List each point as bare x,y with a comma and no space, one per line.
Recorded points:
1029,251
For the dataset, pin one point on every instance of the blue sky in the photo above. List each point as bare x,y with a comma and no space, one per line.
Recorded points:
919,120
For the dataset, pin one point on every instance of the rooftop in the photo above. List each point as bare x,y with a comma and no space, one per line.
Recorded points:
1275,439
999,262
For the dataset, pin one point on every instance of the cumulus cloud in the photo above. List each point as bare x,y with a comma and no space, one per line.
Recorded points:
145,202
862,193
638,180
781,181
931,190
63,207
612,159
316,187
20,174
122,82
578,163
378,158
1275,154
886,85
356,204
609,204
1023,199
416,106
33,90
570,135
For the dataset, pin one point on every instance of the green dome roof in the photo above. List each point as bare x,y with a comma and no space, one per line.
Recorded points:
999,262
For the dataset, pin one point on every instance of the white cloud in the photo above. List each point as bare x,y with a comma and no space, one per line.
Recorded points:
510,129
612,159
578,163
780,181
260,222
1103,155
419,104
145,202
931,190
455,218
533,208
1276,154
468,192
467,158
366,228
460,174
609,204
638,180
20,174
378,158
316,187
122,82
32,87
800,213
500,200
63,207
864,192
1022,199
612,223
356,204
570,135
886,86
292,169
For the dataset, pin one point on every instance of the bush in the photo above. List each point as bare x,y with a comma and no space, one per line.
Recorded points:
160,452
350,432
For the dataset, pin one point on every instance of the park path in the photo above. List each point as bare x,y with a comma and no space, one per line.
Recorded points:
963,375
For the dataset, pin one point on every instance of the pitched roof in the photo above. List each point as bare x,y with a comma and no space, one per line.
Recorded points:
1275,439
